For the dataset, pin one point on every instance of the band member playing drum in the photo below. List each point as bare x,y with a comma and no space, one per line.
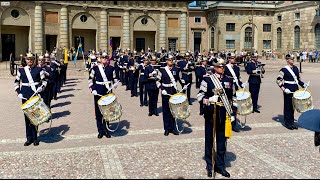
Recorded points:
32,81
216,93
288,80
233,71
101,79
168,76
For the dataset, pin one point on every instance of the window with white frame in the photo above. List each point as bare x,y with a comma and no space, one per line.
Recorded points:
197,19
230,44
266,44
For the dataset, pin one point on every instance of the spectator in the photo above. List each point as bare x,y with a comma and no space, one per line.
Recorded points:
310,56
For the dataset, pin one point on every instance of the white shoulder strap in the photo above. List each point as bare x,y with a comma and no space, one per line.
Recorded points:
171,77
292,73
30,79
233,75
104,77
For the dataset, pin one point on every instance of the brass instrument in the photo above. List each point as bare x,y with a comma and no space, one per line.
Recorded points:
260,69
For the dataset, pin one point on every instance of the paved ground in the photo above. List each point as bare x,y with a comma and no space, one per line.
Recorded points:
264,149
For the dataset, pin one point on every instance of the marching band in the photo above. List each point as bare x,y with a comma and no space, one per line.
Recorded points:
217,78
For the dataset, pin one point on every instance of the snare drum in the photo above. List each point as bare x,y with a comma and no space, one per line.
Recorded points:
302,101
244,102
179,106
109,107
36,110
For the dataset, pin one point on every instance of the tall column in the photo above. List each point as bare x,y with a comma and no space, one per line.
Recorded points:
103,30
162,30
38,29
183,32
0,46
64,37
126,30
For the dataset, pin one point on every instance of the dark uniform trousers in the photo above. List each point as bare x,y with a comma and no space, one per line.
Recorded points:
288,110
198,77
143,91
101,124
168,120
254,90
31,130
153,100
133,81
221,140
187,79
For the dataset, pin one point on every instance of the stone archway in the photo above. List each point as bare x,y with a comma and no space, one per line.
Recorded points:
84,25
144,33
15,32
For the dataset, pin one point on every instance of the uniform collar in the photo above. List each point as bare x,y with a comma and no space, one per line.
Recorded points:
220,76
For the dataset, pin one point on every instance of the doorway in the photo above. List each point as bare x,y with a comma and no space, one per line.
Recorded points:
115,42
51,42
197,41
8,46
140,44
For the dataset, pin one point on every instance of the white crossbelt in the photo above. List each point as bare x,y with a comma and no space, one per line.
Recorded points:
188,73
290,82
141,73
167,85
103,83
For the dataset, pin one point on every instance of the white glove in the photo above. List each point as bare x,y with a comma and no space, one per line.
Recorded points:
244,85
39,89
154,73
115,86
164,92
94,92
287,91
213,99
232,118
305,85
20,96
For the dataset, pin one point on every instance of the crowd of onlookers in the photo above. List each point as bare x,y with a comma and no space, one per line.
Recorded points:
306,55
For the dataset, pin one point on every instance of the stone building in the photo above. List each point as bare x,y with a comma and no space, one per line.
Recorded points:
280,26
41,25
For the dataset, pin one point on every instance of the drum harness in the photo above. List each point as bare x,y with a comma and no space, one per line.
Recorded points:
33,84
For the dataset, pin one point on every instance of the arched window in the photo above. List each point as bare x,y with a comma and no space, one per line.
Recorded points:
317,36
297,37
279,38
248,38
212,38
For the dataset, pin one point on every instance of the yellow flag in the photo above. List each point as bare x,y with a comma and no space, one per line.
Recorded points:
65,56
228,127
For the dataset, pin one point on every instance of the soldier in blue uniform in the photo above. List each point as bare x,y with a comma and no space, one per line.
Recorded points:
54,64
168,77
142,82
186,69
288,80
45,94
50,82
214,107
133,75
254,81
117,69
197,72
233,71
202,70
152,85
32,80
98,86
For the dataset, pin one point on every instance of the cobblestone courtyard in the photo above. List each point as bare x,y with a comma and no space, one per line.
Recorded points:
263,149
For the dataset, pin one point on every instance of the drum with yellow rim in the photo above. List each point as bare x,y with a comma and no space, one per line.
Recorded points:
36,110
110,108
243,102
302,101
179,106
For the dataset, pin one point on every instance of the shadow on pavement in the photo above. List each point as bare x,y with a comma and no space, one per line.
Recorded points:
193,100
187,124
54,135
66,90
72,79
230,156
159,109
70,85
60,114
61,104
121,131
65,96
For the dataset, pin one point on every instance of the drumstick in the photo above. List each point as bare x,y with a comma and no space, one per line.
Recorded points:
244,87
305,89
36,92
113,86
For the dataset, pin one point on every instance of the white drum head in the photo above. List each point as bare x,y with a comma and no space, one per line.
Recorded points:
106,100
32,102
177,99
301,95
242,95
